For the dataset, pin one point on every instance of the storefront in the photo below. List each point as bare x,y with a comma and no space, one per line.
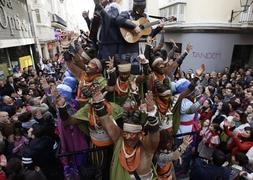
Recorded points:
16,37
216,50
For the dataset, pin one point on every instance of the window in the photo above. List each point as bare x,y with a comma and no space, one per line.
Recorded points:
37,12
181,8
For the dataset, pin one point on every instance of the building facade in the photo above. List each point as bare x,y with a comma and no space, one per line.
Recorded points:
16,36
49,20
217,41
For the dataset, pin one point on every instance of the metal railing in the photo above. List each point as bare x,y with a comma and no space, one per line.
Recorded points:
247,17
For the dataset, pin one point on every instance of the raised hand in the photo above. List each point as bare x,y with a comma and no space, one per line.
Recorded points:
45,84
110,63
150,103
173,42
187,140
96,2
162,22
85,14
189,47
142,59
199,72
97,95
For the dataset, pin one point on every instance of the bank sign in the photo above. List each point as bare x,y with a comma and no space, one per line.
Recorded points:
14,20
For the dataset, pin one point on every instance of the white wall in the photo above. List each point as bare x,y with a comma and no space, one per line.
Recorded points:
212,49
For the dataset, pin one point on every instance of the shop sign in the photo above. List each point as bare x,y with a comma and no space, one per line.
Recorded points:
14,20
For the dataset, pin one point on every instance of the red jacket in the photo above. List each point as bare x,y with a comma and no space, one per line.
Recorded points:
237,144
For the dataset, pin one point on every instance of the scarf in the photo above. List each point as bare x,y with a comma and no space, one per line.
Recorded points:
132,163
162,106
122,88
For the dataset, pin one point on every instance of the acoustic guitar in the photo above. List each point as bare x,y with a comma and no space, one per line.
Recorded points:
131,37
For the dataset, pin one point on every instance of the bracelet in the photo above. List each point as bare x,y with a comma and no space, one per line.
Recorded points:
98,102
98,105
99,108
101,111
153,122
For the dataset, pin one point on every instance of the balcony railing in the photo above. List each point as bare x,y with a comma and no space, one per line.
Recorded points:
176,10
170,2
247,17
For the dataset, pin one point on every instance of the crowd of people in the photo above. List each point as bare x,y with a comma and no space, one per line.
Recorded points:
102,110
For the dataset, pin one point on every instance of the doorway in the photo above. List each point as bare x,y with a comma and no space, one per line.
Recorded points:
242,56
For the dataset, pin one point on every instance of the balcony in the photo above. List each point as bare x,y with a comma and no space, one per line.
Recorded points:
247,17
58,22
166,3
176,10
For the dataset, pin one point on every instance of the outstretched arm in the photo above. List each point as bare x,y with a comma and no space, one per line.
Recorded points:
177,63
164,158
151,140
98,104
85,15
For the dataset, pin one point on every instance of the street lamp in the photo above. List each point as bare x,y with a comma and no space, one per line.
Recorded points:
245,4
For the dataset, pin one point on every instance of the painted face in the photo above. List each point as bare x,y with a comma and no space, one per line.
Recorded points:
91,68
124,76
131,139
160,68
166,98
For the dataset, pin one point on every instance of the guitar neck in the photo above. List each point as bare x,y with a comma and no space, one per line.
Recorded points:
148,25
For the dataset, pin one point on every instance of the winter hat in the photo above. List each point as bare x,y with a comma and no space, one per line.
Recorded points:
68,73
113,9
139,2
71,82
65,91
180,86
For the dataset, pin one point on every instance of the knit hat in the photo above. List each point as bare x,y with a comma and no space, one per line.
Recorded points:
180,86
68,73
139,2
65,91
71,82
